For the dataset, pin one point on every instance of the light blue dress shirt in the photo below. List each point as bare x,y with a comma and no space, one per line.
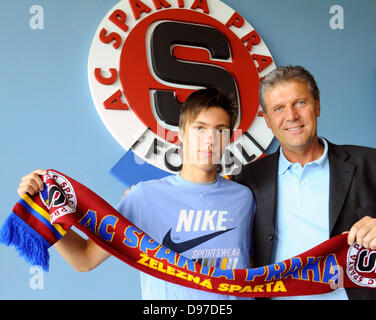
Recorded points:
302,219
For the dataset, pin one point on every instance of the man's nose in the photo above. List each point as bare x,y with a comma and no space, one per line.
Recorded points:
291,113
210,137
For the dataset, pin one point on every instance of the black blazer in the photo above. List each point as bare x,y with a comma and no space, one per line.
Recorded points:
352,196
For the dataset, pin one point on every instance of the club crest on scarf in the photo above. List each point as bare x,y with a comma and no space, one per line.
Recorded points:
361,266
58,195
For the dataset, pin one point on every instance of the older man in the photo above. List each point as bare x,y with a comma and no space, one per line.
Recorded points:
310,189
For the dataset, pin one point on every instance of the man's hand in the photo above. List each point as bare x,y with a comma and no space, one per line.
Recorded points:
31,183
363,233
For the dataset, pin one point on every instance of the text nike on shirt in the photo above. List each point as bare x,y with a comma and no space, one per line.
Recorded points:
201,220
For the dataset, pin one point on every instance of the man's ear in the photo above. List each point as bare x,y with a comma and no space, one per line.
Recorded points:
266,119
181,135
317,107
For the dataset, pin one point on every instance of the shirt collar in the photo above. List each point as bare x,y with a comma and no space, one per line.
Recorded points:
285,164
183,182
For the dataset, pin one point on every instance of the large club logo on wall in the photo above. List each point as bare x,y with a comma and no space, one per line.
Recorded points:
148,56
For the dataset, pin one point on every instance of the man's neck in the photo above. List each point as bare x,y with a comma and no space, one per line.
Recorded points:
304,155
197,175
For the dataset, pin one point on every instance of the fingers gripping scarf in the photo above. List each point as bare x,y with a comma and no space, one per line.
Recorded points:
37,222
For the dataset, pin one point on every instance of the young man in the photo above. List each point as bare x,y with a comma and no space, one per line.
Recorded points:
196,213
310,189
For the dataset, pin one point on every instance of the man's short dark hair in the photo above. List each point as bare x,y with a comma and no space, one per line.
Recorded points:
203,99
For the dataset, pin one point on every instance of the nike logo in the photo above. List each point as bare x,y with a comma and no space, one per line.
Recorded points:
189,244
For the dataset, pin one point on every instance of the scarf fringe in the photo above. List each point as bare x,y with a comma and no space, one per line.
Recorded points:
28,244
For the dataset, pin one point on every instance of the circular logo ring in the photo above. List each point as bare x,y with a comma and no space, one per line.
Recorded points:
148,56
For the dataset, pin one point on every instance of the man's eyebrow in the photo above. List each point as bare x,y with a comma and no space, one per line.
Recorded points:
277,105
303,98
217,126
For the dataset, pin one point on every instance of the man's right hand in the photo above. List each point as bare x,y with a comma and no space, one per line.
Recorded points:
31,183
82,254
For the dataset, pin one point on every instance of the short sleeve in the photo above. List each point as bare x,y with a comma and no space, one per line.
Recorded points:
129,206
252,211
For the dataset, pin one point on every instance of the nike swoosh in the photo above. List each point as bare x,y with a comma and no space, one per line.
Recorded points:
189,244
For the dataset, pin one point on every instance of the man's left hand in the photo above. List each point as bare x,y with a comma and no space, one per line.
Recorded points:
363,233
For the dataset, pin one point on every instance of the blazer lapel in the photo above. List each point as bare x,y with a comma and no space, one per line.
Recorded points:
263,182
341,174
268,186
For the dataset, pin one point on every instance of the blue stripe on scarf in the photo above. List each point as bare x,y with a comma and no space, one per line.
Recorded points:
42,219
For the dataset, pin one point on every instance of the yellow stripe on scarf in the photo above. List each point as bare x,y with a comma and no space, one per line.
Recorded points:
43,213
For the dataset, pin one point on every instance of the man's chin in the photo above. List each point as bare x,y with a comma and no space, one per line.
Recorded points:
297,145
206,166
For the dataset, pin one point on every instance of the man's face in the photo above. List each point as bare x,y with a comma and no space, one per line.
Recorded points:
291,113
205,138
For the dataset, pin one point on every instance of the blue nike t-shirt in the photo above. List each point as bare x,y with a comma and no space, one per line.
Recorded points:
208,223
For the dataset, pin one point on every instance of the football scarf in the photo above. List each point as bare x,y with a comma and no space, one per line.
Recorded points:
37,222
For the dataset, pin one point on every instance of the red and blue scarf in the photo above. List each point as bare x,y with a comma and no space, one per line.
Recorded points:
37,222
